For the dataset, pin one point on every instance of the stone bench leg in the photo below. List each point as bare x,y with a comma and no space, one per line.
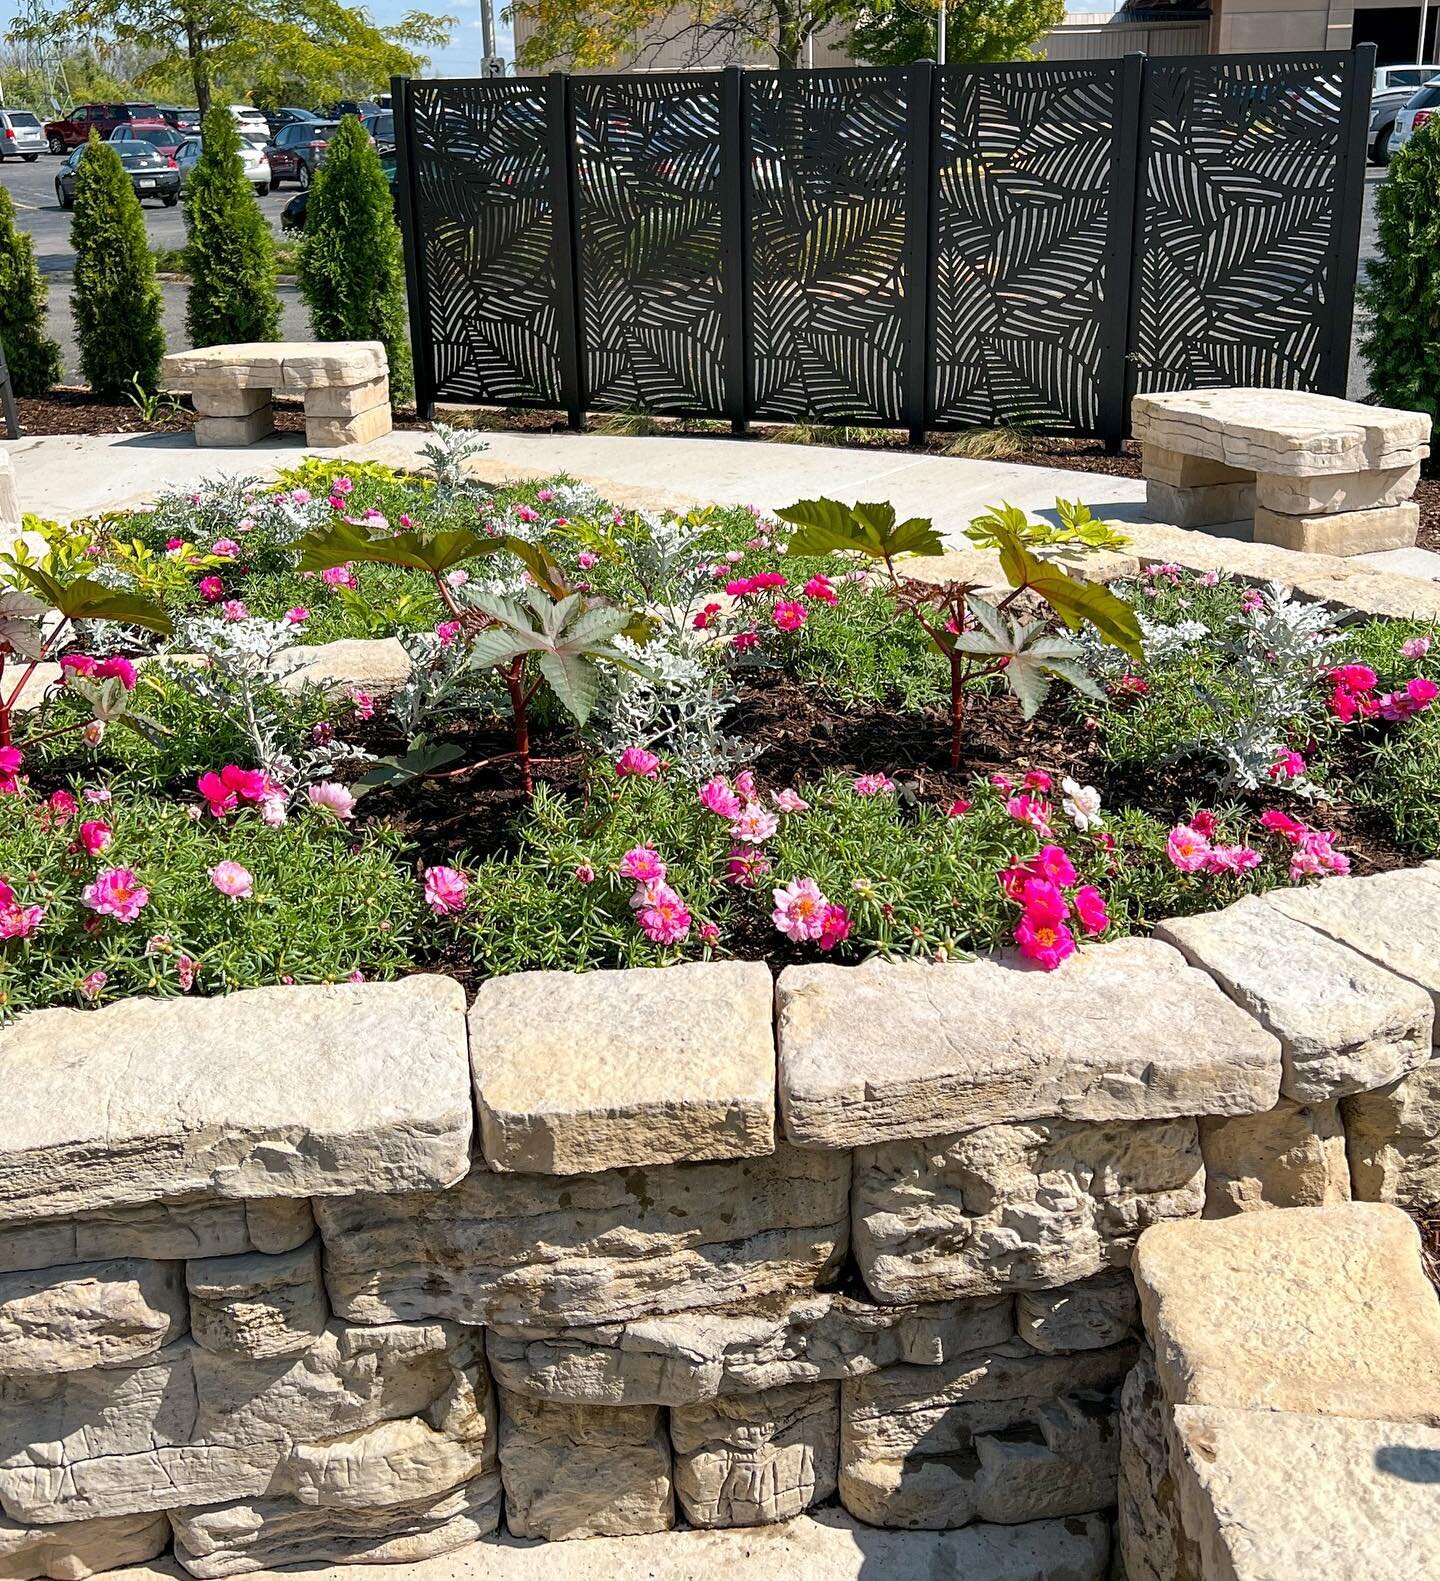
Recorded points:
232,416
347,414
1342,513
1193,492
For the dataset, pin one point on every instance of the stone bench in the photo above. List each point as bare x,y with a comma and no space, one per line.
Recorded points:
1314,472
346,385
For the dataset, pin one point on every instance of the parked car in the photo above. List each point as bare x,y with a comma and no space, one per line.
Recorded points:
165,140
297,151
150,175
181,118
292,216
287,115
21,135
257,166
359,108
1419,107
1394,87
251,120
381,127
74,129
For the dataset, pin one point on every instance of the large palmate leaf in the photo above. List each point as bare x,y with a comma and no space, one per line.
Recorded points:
340,541
424,757
20,625
1075,602
826,526
86,599
1032,659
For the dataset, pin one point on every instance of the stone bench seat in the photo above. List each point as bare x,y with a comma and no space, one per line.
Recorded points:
1314,472
346,385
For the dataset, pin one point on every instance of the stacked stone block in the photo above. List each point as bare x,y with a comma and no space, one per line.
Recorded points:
346,385
1313,472
268,1294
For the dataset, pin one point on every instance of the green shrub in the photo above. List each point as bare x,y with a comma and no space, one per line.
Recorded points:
116,300
1402,291
230,253
352,267
34,359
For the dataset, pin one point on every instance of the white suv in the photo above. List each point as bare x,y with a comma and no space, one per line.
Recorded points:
1418,109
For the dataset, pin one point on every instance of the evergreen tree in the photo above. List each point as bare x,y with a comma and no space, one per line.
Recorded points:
33,358
1402,289
352,267
229,253
116,300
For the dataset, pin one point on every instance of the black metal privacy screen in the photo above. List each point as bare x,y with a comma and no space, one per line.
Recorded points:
921,247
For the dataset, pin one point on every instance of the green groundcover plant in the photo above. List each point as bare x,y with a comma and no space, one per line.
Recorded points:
185,813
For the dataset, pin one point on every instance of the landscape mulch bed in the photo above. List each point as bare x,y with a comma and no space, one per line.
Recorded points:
66,411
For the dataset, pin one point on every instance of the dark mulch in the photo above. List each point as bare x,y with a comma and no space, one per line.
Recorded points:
1427,1221
71,411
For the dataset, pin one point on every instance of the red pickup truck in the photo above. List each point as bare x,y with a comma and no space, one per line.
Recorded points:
73,129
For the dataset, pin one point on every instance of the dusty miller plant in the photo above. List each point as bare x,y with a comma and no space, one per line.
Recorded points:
447,453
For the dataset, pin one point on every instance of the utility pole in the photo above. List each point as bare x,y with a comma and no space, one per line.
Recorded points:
1420,56
940,37
487,29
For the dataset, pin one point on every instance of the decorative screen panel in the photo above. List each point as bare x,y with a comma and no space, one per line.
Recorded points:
649,222
828,155
483,200
1022,214
1241,200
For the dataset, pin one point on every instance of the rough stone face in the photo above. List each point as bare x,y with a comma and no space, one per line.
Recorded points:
230,433
1270,1495
263,1533
1210,505
1344,1023
256,1305
378,665
268,1092
347,400
1291,1157
1017,1207
1007,1435
1392,1137
163,1231
1315,1309
581,1071
60,1320
76,1549
1344,532
587,1249
1187,472
274,365
693,1356
1149,1533
1336,491
1122,1031
231,403
750,1460
1393,918
1089,1315
323,433
583,1471
1290,433
187,1427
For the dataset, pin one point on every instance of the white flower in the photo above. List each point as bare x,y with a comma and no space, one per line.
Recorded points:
272,810
1082,805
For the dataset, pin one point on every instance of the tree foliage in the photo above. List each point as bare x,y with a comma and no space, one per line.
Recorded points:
229,252
896,32
1402,289
33,358
352,267
116,300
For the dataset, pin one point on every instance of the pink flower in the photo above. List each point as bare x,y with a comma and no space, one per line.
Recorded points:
1041,900
958,808
234,609
663,917
212,589
172,544
95,836
709,934
73,664
706,617
873,785
834,927
342,485
91,984
585,874
225,548
1205,823
1002,782
338,576
329,797
820,589
1037,781
588,560
739,587
63,804
445,890
186,967
545,496
636,762
96,794
1283,824
790,617
364,704
1231,859
233,880
643,864
1354,677
716,796
743,641
753,824
745,785
1044,941
11,760
789,801
1091,910
1187,848
800,910
1413,698
118,668
1032,812
527,514
1415,647
1288,766
1052,862
1132,685
118,893
1315,854
296,616
1252,599
746,867
17,921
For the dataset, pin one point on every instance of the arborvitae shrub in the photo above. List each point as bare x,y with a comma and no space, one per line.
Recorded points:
33,358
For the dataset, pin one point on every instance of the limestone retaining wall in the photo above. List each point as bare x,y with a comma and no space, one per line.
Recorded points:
350,1273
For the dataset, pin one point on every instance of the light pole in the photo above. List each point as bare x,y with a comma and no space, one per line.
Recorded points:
487,30
940,37
1420,59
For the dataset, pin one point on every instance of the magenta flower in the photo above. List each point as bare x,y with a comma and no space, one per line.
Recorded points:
1036,780
212,589
1415,647
95,836
119,668
73,664
873,784
63,804
1052,862
234,609
329,797
118,893
1413,698
663,917
1231,859
446,889
1042,900
834,927
820,589
11,760
364,704
958,808
1043,941
789,617
447,631
17,921
1090,909
224,548
716,796
92,983
587,560
338,576
1187,848
744,641
1288,766
643,864
746,867
297,616
753,824
800,910
636,762
1206,823
1281,823
233,880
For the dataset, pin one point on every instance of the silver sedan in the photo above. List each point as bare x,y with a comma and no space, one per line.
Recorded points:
257,166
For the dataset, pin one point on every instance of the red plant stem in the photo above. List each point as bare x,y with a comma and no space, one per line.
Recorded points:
957,709
514,674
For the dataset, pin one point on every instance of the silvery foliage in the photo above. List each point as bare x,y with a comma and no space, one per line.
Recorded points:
441,684
448,450
208,508
239,684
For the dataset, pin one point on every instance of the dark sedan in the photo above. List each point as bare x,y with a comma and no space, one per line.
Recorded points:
150,175
297,151
292,216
